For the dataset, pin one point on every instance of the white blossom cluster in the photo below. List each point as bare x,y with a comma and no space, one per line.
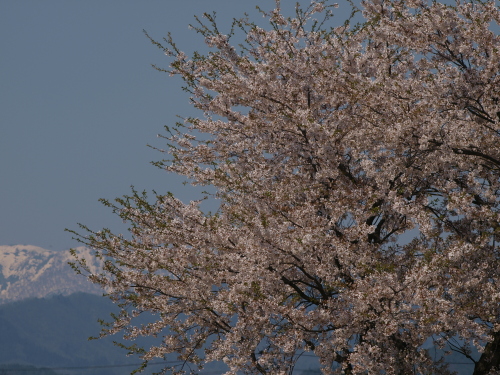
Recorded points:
329,148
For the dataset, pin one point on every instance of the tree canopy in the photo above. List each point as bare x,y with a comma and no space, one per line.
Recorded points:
357,169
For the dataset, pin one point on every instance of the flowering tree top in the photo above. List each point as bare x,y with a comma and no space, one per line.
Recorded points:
357,169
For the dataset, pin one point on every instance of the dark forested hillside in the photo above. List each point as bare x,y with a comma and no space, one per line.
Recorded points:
53,333
16,369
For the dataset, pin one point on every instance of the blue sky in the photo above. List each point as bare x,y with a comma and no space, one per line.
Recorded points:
79,102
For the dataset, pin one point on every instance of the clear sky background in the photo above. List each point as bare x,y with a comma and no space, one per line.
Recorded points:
79,102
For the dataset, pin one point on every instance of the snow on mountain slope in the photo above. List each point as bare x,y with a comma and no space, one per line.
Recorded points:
29,271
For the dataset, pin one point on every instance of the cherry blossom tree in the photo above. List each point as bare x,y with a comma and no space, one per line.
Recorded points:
357,169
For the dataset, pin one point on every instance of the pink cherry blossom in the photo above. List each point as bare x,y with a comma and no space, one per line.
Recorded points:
357,169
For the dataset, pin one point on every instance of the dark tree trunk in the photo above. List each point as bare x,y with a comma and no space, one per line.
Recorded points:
490,357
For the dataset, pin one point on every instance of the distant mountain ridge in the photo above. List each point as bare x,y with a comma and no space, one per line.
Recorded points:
28,271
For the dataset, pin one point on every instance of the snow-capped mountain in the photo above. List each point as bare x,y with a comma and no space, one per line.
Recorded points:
30,271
